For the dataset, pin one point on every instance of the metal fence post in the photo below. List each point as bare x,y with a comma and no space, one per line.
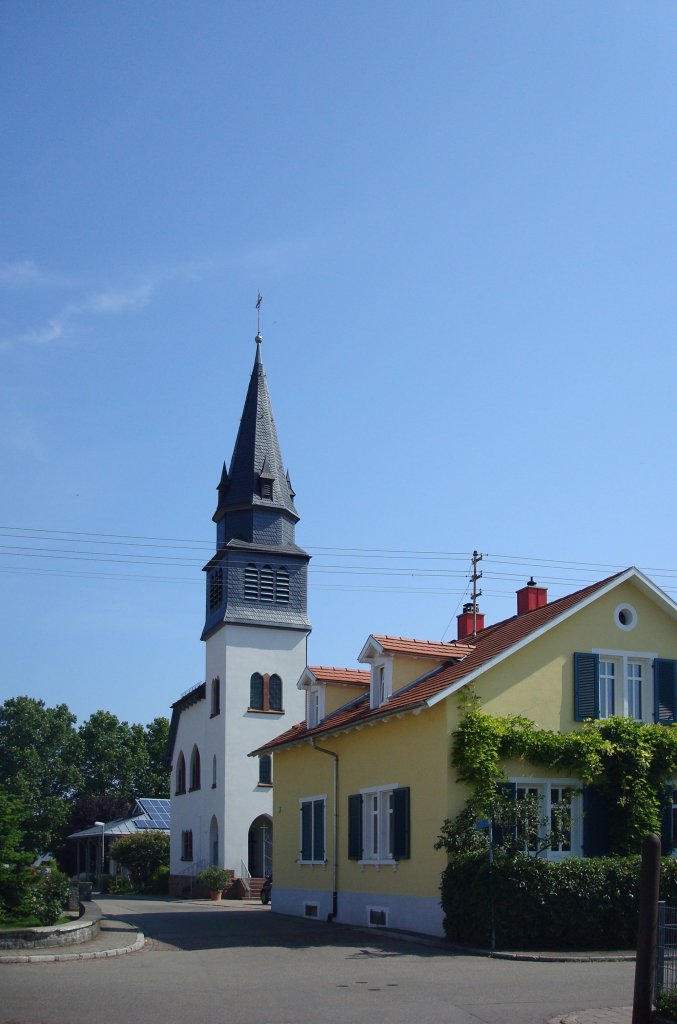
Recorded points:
660,950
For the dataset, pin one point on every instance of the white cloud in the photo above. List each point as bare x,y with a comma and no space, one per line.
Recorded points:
23,273
104,302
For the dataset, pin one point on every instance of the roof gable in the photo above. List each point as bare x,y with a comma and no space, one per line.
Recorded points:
491,646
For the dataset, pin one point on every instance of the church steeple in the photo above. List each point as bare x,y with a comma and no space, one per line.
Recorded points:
258,575
257,475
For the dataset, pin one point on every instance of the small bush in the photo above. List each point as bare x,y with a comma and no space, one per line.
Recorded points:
577,903
49,895
216,879
142,854
666,1004
120,884
160,880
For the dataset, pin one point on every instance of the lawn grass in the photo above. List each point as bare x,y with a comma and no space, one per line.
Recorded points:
31,922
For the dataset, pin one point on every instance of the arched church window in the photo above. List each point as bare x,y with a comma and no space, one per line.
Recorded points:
216,696
251,583
265,770
256,692
265,693
282,586
267,583
275,693
195,769
215,588
181,774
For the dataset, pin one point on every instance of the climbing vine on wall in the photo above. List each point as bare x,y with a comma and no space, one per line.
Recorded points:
630,764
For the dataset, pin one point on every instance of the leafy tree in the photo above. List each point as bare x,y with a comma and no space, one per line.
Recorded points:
156,782
124,760
14,860
142,854
40,764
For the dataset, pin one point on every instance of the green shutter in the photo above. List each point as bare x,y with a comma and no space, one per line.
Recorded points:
595,823
665,687
401,829
355,827
586,686
307,830
318,830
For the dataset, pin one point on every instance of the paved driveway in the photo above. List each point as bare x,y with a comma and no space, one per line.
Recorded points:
209,963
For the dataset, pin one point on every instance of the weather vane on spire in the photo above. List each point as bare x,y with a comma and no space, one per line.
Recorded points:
259,300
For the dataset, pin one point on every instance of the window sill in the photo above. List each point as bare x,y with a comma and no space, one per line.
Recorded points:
215,714
180,792
264,785
187,860
378,864
312,863
194,789
266,711
213,785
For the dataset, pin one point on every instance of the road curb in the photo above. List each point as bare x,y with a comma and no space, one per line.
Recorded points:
99,954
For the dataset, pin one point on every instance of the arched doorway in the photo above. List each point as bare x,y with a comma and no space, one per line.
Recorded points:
261,846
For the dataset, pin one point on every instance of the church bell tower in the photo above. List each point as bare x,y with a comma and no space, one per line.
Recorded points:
255,632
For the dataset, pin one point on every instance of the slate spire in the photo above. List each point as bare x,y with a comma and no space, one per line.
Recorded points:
257,476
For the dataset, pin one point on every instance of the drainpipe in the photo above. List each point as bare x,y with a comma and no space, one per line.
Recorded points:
334,895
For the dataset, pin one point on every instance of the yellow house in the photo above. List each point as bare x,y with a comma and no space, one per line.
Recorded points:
362,786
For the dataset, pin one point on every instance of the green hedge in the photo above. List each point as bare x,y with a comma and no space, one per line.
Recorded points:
589,903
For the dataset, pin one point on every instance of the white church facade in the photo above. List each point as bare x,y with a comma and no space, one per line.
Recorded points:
255,633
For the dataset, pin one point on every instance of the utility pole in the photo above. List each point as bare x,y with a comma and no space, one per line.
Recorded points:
476,559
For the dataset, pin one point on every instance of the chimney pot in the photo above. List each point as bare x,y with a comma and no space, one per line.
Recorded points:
465,620
531,597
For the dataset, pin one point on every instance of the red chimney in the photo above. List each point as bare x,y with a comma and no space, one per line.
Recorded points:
465,621
531,597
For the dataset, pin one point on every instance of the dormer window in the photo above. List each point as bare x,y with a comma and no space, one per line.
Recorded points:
381,683
315,709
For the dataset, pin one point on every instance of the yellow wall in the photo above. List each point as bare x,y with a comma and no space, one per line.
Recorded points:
408,751
538,681
415,750
405,670
335,696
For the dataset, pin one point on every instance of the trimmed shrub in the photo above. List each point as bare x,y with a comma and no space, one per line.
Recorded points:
48,896
577,903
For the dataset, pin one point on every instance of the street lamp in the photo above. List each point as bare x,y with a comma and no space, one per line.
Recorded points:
102,825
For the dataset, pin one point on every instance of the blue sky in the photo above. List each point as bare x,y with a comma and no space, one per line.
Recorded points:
462,220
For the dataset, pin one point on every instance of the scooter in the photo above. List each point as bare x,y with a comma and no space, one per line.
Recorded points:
265,890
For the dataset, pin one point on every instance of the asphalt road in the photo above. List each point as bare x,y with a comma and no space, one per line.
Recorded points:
205,964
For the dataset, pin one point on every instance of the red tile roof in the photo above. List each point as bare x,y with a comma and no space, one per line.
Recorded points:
330,674
489,644
424,648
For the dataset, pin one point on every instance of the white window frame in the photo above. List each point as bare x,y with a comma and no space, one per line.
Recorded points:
315,705
312,800
377,824
545,787
381,682
622,704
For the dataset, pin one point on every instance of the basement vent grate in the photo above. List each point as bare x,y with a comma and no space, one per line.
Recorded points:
378,917
311,910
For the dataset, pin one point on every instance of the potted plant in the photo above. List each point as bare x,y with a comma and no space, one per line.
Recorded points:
216,880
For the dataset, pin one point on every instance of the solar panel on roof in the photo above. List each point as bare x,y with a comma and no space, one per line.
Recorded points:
156,811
